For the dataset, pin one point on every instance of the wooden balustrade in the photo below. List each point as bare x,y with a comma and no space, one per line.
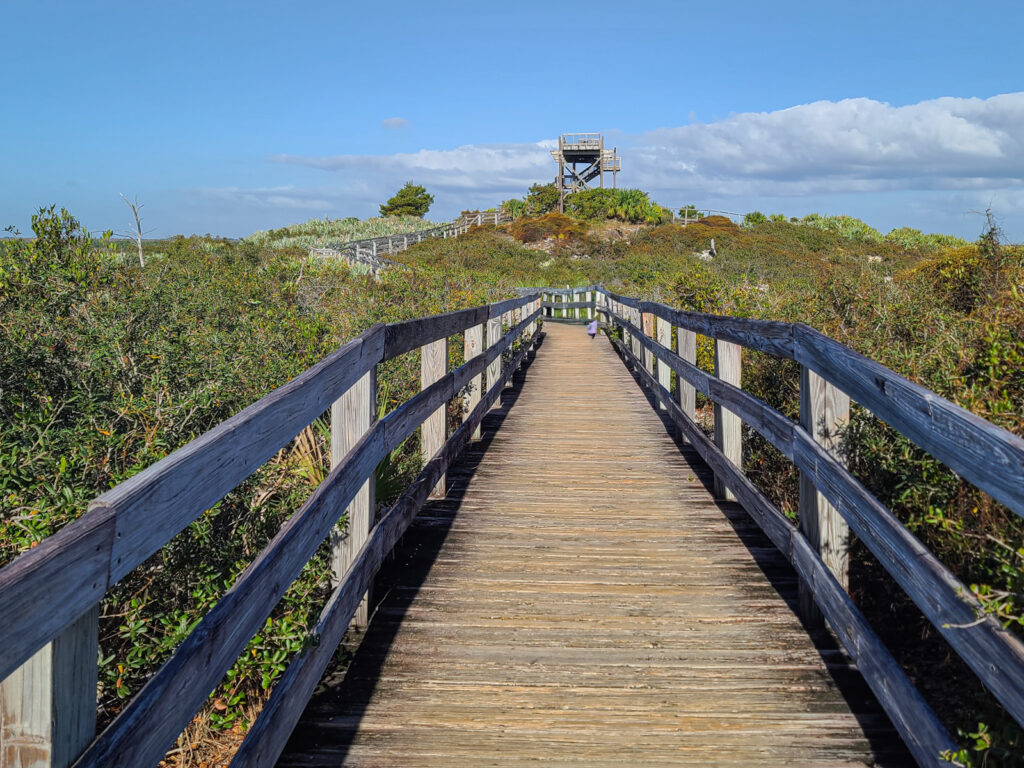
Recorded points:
49,596
833,503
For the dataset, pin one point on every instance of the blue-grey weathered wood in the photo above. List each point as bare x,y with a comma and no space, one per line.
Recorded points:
267,737
980,452
146,728
915,721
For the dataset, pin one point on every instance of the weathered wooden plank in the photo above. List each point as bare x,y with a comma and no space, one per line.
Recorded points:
646,354
48,705
501,307
145,729
995,655
352,416
157,503
824,411
406,336
474,344
433,365
665,340
65,573
984,454
567,305
775,338
267,738
686,349
913,718
494,334
728,425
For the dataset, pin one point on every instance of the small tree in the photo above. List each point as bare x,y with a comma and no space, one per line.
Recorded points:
541,199
410,200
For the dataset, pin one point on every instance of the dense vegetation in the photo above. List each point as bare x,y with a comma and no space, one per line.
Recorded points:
105,367
410,200
321,233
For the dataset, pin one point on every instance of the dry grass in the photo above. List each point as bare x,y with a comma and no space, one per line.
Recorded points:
200,746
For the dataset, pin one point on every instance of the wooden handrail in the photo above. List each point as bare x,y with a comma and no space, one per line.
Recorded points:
938,426
44,591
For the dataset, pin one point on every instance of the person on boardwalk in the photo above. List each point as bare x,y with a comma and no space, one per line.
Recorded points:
592,328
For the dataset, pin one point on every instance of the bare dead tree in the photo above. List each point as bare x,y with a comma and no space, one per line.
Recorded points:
136,234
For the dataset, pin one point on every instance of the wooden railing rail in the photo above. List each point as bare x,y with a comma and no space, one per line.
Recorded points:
371,250
51,593
831,497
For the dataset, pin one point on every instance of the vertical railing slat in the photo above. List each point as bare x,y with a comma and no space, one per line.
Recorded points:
474,345
434,365
824,411
728,426
352,416
48,704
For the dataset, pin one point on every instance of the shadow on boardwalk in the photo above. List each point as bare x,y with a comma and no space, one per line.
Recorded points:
580,598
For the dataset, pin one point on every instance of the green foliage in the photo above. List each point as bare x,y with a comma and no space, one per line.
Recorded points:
845,226
541,199
689,212
410,200
629,205
321,233
754,218
514,207
105,370
909,238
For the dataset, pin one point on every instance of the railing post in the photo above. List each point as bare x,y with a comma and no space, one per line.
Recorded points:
648,329
591,311
665,339
686,348
517,318
576,299
506,320
434,365
728,426
352,416
474,345
494,334
824,411
373,245
48,704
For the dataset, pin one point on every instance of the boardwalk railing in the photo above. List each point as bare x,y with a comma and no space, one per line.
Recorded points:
49,596
657,340
369,251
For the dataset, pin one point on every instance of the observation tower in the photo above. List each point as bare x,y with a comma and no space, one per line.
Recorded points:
581,158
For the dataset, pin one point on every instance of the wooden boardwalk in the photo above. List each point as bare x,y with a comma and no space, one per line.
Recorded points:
580,599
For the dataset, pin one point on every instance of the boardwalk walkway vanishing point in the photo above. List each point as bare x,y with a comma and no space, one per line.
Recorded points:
579,598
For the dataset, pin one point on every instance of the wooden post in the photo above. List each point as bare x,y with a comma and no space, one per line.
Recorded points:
494,335
474,345
352,415
648,327
728,426
48,704
686,348
373,245
665,339
517,318
576,298
591,311
824,411
507,322
434,365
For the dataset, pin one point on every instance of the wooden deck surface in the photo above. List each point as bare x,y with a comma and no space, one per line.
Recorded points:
580,599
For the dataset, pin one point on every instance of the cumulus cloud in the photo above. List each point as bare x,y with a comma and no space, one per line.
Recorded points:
849,146
853,145
288,197
493,167
395,123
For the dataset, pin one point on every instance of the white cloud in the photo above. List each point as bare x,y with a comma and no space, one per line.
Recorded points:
395,123
854,145
850,146
269,197
503,168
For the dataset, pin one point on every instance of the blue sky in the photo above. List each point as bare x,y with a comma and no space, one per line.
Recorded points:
227,117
